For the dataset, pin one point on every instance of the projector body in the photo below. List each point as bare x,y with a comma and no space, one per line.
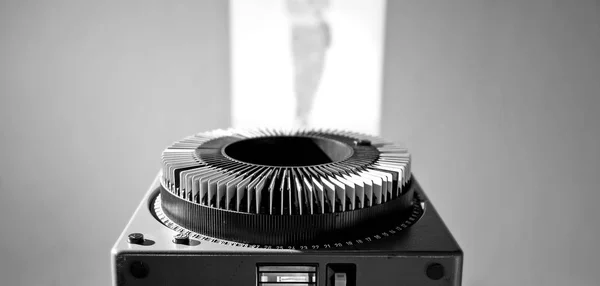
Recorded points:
423,254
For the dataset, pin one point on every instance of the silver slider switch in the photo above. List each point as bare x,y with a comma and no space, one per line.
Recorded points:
339,279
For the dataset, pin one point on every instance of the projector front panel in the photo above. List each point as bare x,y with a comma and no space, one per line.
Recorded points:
230,269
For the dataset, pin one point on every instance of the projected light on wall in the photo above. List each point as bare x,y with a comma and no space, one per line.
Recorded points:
312,63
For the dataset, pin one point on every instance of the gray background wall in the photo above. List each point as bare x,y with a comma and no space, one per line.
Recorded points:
496,99
92,91
499,102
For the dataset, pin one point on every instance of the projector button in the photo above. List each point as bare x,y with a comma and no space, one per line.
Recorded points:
181,239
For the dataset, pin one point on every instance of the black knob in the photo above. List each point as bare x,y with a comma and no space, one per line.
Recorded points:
181,238
135,238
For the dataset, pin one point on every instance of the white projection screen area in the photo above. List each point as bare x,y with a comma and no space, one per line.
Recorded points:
307,63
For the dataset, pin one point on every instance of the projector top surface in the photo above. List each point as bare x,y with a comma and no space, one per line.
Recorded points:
429,235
